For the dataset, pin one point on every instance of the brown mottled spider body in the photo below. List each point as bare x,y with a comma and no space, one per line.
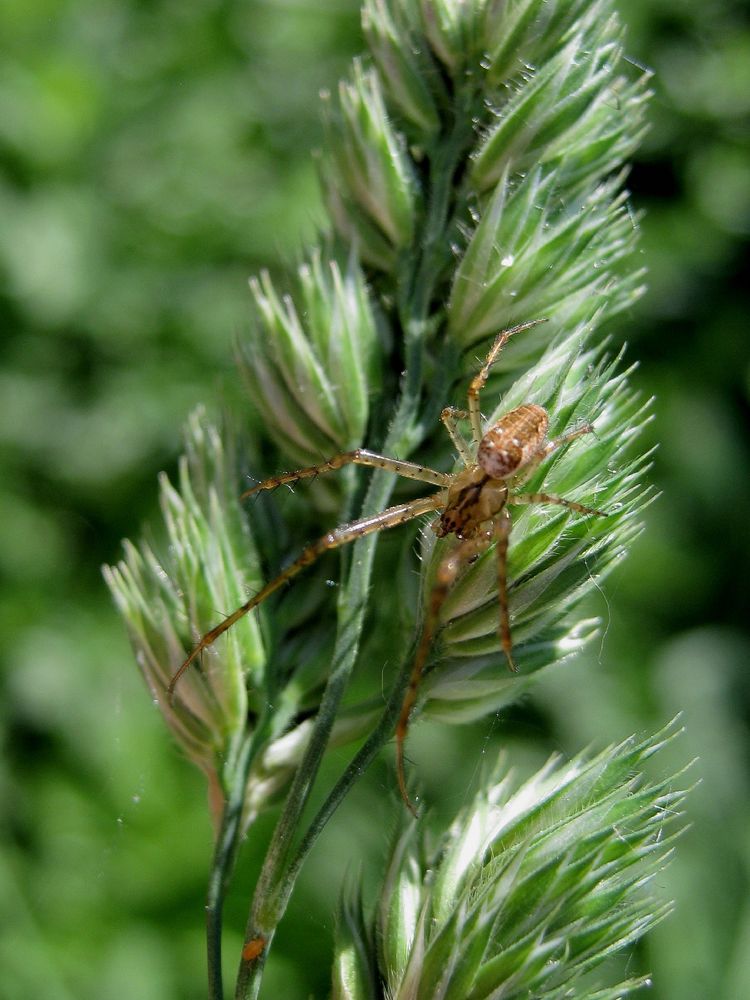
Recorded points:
473,505
479,492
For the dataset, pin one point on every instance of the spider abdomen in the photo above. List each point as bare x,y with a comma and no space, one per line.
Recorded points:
510,443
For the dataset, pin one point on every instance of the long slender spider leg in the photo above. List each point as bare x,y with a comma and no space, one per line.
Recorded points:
449,568
479,380
450,417
534,498
530,467
566,438
502,532
389,518
360,456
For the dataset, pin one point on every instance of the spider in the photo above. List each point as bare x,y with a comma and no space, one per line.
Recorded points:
473,505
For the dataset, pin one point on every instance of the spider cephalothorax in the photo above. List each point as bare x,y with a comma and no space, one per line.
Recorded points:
473,499
473,505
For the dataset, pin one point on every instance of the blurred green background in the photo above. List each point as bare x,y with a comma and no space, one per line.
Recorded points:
154,154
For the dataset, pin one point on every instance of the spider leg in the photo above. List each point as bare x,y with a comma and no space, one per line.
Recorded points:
449,568
534,498
547,449
360,456
501,533
479,380
450,417
389,518
565,438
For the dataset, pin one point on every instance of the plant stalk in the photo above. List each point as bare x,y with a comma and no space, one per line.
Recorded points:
226,849
277,877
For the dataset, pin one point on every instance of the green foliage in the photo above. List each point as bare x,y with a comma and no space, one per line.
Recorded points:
297,348
211,561
372,191
529,890
151,158
395,207
309,366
